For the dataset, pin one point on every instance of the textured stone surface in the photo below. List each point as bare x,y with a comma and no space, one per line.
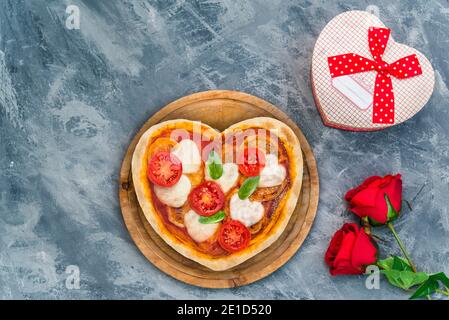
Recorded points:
70,101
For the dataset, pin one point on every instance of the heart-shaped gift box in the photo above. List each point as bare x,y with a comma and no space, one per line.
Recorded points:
362,79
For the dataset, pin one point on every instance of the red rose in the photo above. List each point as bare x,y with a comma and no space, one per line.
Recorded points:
350,251
377,198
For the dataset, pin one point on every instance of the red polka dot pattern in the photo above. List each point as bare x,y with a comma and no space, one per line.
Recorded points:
350,63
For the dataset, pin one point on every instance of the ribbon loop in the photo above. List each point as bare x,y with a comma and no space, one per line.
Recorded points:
383,97
378,40
349,63
406,67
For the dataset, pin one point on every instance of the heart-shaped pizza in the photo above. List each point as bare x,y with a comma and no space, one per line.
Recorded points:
362,79
218,198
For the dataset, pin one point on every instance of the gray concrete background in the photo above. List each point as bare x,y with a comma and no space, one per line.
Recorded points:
70,101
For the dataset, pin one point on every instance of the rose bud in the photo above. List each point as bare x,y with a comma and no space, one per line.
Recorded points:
350,251
377,199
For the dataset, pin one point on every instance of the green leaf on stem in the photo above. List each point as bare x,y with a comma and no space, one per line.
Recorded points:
405,279
401,264
431,285
441,276
394,263
399,273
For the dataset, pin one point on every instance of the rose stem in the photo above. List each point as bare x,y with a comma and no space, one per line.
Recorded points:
401,245
443,292
377,238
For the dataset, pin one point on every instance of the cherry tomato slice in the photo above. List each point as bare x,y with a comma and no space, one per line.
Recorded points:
233,236
164,169
206,198
251,162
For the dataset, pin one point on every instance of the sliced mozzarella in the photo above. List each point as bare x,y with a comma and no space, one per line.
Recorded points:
229,177
199,231
187,151
174,196
246,211
273,173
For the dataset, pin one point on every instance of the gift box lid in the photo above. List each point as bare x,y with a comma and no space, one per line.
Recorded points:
362,79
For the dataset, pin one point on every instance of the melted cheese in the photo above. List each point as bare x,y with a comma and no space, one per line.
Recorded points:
246,211
229,177
198,231
187,151
174,196
273,174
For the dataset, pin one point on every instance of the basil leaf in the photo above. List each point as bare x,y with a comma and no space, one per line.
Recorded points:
431,285
405,279
214,165
394,263
217,217
248,187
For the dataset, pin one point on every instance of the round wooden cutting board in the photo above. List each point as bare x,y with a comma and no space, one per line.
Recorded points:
220,109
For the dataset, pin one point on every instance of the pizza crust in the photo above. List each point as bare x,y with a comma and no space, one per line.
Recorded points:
287,204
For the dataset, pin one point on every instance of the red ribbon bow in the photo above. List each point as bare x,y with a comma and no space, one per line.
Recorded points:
350,63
